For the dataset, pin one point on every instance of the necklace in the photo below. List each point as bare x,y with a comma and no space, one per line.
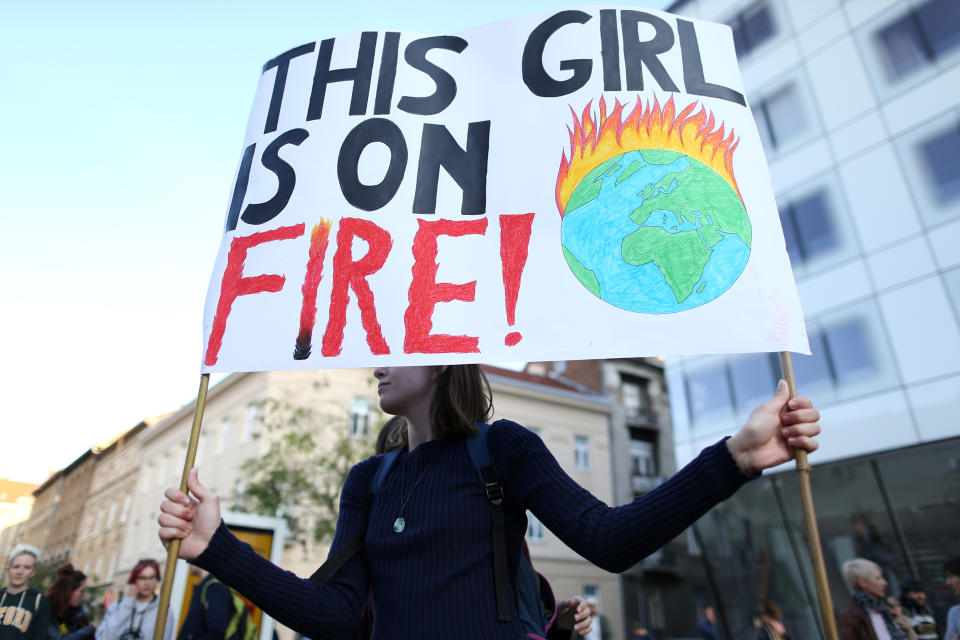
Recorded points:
401,523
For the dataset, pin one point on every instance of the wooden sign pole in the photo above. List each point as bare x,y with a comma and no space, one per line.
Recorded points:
173,550
810,519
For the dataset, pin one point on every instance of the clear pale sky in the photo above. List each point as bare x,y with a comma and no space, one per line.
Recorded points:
122,125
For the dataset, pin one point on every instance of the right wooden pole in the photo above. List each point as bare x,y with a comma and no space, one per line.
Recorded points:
810,519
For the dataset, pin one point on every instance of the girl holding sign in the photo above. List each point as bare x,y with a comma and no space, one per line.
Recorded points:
426,555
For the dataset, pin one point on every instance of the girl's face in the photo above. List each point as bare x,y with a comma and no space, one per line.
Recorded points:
77,596
146,583
406,391
20,570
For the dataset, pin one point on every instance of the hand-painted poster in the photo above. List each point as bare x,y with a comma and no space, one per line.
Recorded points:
586,183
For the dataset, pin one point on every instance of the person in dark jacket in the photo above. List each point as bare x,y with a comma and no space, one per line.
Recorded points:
69,620
210,609
707,625
868,617
24,611
913,600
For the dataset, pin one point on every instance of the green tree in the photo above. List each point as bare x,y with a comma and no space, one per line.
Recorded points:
300,475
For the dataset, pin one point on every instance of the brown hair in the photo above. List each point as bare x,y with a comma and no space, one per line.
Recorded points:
393,435
140,566
68,580
462,399
772,610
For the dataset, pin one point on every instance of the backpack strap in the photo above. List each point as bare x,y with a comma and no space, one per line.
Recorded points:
354,544
385,463
479,452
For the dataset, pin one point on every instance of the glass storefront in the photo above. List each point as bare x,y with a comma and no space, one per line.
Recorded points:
900,509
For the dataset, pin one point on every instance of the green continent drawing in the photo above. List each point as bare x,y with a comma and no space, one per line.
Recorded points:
655,231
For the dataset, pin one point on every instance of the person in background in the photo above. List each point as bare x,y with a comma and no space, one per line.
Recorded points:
707,625
952,569
868,617
771,622
24,611
134,617
913,600
640,632
69,620
210,608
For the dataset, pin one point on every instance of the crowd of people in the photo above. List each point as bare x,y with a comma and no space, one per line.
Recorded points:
60,613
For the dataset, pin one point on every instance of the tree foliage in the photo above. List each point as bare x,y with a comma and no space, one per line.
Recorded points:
300,475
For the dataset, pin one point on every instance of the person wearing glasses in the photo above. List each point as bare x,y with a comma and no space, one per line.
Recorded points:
134,617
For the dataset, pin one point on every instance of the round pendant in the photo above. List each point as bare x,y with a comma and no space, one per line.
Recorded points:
399,524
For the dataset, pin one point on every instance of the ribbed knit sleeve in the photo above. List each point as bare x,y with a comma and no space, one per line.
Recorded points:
613,538
330,612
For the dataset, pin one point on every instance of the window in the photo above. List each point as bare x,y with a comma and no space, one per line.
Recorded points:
224,434
249,427
780,117
815,368
592,591
581,453
113,564
849,349
708,390
840,353
642,459
656,613
941,159
125,512
112,515
633,395
808,227
201,446
359,417
534,529
643,466
919,37
101,514
754,379
752,27
98,567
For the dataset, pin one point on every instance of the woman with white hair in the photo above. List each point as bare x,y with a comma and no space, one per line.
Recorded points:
868,617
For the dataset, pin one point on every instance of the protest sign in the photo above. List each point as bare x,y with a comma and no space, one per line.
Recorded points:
587,183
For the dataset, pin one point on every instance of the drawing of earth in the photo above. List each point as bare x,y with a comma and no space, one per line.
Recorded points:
655,231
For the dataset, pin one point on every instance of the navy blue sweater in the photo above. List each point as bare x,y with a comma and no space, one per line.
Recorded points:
435,579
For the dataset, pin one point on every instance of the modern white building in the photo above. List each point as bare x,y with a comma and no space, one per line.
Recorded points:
858,106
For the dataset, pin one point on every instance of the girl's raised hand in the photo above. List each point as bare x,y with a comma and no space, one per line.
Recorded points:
773,431
192,520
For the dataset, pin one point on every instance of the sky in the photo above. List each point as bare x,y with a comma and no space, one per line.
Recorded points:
122,128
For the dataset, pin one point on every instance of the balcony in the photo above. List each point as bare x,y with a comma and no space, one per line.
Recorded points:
641,418
645,484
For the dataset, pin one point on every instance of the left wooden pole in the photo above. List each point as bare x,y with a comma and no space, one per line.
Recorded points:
174,549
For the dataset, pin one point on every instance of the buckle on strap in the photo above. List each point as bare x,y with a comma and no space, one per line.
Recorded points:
494,492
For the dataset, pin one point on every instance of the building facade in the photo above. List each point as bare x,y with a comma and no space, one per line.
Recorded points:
16,499
858,107
107,510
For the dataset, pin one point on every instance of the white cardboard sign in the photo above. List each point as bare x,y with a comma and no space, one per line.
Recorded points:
587,183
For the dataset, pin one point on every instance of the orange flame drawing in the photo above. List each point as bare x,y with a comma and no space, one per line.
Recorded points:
592,141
